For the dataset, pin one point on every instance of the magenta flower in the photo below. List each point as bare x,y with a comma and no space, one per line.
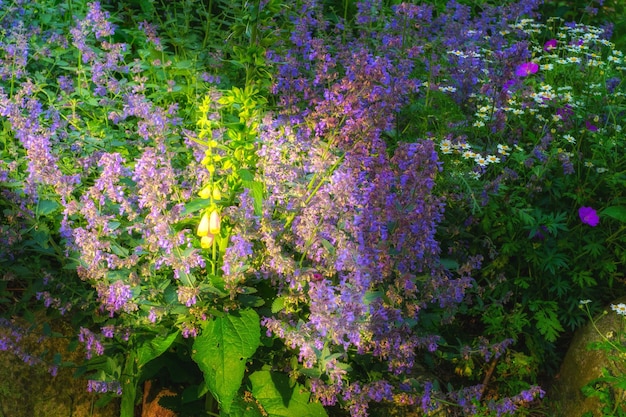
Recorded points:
526,69
588,216
590,126
550,45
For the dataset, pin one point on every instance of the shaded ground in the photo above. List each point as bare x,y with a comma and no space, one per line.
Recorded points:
30,391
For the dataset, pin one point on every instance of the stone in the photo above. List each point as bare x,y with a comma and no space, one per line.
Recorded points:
150,405
582,365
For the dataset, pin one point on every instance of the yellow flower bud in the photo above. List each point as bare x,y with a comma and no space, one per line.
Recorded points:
203,227
207,241
217,195
205,192
214,222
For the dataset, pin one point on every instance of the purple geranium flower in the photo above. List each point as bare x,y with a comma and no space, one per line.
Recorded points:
550,45
588,216
526,69
590,126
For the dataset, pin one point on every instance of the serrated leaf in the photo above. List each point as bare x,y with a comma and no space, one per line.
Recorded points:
45,207
615,212
222,350
280,398
547,321
154,348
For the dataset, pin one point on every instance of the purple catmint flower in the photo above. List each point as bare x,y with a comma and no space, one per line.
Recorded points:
91,341
103,387
66,84
150,31
116,297
187,295
152,315
589,216
108,331
526,69
235,261
612,83
98,20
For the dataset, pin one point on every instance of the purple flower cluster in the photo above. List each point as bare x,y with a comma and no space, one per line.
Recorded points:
92,342
103,387
12,337
116,297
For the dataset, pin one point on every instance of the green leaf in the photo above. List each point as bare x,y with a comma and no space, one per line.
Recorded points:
46,207
197,204
118,250
222,350
278,304
242,408
147,7
547,320
257,189
280,398
329,246
246,175
616,212
154,348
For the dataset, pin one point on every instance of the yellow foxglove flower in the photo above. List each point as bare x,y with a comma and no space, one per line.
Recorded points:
207,241
203,227
214,222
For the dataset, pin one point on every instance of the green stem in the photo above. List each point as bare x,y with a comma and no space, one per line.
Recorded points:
129,386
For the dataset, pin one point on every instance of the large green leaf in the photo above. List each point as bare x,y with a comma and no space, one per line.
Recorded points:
616,212
242,408
280,398
154,348
45,207
222,349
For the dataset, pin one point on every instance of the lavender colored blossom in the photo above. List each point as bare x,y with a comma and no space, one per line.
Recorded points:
91,341
108,331
103,387
99,21
116,297
66,84
187,295
151,34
